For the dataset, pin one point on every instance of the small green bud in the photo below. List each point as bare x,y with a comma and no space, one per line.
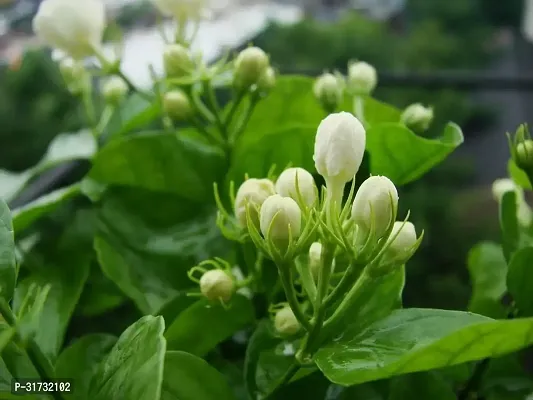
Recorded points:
252,194
267,80
114,90
285,322
250,65
329,91
286,185
217,285
177,105
177,61
524,154
375,205
362,78
74,74
417,117
280,218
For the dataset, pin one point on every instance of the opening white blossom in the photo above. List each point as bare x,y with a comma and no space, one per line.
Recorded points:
75,27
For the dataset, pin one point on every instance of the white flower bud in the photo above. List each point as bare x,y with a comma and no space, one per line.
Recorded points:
315,254
177,105
252,193
181,10
74,74
329,91
401,245
286,185
417,117
377,200
217,285
114,90
250,65
279,216
339,149
75,27
362,78
285,322
502,186
524,154
267,80
177,60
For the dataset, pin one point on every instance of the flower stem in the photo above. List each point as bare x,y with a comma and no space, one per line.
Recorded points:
36,356
344,285
359,108
285,274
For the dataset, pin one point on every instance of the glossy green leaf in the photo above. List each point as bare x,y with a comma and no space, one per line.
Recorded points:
520,280
422,385
488,273
24,216
7,253
518,175
99,295
258,156
65,147
188,377
80,360
402,156
146,243
161,162
414,340
182,333
134,367
134,114
510,228
366,391
66,276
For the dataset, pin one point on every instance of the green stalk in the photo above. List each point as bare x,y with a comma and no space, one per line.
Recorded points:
308,282
285,274
344,285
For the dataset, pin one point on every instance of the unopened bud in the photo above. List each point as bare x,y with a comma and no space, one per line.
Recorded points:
267,80
524,154
375,205
250,65
401,240
417,117
280,219
285,322
286,185
362,78
252,194
315,257
74,74
502,186
217,285
329,91
177,61
177,105
114,90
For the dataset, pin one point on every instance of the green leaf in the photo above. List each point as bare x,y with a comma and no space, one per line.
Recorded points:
422,385
415,340
134,367
66,276
24,216
402,156
518,175
134,114
506,378
488,273
520,280
510,228
161,162
80,361
8,264
182,334
99,295
188,377
258,155
65,147
146,243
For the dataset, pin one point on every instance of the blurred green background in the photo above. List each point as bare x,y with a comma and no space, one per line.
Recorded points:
430,36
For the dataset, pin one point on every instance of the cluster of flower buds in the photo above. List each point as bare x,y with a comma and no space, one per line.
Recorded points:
252,69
